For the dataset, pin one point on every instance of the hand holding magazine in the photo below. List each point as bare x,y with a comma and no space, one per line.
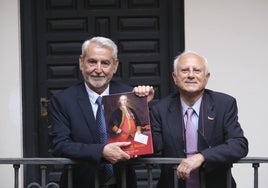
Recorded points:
127,119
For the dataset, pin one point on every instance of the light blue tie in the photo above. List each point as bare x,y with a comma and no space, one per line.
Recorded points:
102,137
191,149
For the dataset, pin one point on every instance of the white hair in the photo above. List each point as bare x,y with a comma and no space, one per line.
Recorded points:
102,41
178,58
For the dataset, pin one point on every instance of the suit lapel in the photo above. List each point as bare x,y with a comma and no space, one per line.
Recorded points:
206,120
175,126
84,103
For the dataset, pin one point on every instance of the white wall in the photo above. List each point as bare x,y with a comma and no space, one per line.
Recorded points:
10,88
233,35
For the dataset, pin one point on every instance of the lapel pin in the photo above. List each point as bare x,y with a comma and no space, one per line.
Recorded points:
210,118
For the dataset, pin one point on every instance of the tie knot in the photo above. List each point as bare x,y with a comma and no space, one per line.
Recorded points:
189,112
99,100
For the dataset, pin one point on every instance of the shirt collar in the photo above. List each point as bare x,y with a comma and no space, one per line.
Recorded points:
93,95
196,106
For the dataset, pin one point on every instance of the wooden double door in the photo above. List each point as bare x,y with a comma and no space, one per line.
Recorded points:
149,34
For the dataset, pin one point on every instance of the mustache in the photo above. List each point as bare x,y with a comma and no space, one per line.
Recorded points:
97,75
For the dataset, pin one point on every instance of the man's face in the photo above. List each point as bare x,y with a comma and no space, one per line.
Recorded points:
191,77
98,67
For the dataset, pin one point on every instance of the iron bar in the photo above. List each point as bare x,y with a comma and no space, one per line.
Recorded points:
148,162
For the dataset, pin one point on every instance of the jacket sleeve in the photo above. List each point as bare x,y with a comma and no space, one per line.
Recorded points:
228,143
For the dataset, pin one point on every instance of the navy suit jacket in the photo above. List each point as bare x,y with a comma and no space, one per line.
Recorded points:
73,133
220,137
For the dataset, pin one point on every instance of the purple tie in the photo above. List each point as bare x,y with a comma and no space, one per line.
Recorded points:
191,148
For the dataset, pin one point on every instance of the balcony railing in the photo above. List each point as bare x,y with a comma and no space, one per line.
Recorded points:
147,162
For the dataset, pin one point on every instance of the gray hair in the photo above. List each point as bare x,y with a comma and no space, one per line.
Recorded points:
103,42
178,58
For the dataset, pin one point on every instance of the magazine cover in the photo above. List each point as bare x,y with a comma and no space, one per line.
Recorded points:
127,119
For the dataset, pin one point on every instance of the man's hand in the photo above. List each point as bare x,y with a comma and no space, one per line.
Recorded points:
189,164
113,152
142,91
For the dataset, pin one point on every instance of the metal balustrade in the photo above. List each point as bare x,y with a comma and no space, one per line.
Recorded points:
147,162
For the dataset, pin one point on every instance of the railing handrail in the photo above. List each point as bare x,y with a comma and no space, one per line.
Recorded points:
139,160
149,162
37,161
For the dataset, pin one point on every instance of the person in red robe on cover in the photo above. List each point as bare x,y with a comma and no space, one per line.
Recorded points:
125,122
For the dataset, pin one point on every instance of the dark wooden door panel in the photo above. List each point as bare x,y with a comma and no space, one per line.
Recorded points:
138,27
149,33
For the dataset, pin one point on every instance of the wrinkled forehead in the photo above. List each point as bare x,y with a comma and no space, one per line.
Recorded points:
191,60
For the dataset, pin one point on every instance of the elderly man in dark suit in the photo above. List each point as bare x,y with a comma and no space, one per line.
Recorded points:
217,136
73,111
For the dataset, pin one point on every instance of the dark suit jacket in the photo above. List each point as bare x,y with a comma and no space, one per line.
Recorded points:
220,138
73,133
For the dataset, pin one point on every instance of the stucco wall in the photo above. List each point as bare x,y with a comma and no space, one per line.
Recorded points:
233,36
10,84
